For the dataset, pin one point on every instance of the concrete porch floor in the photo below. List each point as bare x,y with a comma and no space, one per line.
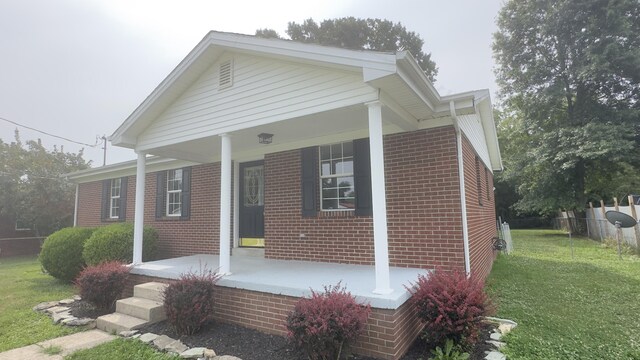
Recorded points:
291,278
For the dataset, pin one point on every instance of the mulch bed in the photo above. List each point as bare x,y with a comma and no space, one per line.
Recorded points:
83,309
249,344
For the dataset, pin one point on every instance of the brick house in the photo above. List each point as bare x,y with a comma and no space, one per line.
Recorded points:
289,166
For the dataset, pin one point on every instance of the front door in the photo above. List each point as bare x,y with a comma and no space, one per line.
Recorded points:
252,204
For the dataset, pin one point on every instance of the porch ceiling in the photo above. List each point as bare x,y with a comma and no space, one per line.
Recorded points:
291,278
341,124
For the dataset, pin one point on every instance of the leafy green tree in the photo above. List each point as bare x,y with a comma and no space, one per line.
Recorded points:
33,191
569,74
360,34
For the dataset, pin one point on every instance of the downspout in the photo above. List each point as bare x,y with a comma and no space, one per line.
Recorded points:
463,198
75,208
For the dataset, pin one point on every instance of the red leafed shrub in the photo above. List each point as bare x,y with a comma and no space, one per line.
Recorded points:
452,306
101,285
189,302
324,325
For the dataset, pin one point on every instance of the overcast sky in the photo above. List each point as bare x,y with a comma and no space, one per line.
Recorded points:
78,68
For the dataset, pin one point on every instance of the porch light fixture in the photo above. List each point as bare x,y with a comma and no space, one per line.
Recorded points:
265,138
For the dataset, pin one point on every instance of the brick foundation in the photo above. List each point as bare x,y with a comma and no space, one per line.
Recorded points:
388,335
20,246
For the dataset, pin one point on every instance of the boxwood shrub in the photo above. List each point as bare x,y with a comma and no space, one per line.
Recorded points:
115,243
61,254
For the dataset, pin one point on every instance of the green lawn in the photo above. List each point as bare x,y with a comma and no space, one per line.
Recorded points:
121,349
587,307
22,286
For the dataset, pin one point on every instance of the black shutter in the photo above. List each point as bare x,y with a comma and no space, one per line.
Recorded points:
106,188
362,177
309,160
185,213
123,199
161,189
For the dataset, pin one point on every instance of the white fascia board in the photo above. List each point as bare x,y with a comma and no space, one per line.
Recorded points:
485,109
414,77
127,168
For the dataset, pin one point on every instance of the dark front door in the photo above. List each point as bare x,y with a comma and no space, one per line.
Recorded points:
252,204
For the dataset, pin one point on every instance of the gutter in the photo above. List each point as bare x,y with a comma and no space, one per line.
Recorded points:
463,198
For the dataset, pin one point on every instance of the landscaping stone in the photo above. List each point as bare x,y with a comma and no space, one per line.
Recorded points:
162,341
193,353
226,357
79,322
495,336
175,347
77,297
209,354
497,344
128,333
57,309
45,305
495,355
59,316
66,301
505,328
148,337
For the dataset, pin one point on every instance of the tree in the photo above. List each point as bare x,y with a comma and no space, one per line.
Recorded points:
360,34
569,75
33,191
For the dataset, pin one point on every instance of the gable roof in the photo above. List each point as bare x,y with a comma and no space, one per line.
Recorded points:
385,71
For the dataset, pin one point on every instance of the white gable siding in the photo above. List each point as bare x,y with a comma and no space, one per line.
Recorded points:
472,127
263,91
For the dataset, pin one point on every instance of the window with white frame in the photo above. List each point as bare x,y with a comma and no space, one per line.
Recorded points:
336,177
174,192
114,198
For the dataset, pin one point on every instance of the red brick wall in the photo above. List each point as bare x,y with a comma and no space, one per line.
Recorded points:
8,229
424,218
480,211
198,235
20,246
388,335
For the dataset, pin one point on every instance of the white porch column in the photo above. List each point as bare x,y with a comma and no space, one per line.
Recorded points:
138,221
225,204
379,199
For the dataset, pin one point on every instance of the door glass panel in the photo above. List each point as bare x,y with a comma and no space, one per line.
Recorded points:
253,186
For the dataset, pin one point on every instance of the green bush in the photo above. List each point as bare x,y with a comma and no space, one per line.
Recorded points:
61,254
115,243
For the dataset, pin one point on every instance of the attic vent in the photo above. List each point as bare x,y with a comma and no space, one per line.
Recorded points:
226,78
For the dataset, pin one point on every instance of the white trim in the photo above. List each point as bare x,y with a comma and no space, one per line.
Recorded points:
126,168
111,197
335,176
236,204
138,221
169,192
379,200
463,198
75,207
225,204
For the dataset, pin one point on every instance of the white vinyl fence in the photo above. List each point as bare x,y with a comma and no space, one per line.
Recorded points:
599,228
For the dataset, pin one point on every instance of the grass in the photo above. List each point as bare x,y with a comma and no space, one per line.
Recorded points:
23,285
52,350
585,307
121,349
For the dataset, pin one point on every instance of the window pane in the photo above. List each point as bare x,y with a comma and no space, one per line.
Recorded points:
325,152
347,203
330,193
330,204
347,166
347,149
345,187
253,186
336,150
326,168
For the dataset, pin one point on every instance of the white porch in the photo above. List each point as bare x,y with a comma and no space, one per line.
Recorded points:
291,278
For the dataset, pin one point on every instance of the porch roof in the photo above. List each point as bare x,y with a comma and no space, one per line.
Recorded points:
291,278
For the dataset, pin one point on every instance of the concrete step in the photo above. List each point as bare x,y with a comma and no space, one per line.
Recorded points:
150,310
115,323
151,290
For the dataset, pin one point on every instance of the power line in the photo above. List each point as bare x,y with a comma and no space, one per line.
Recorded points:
48,134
